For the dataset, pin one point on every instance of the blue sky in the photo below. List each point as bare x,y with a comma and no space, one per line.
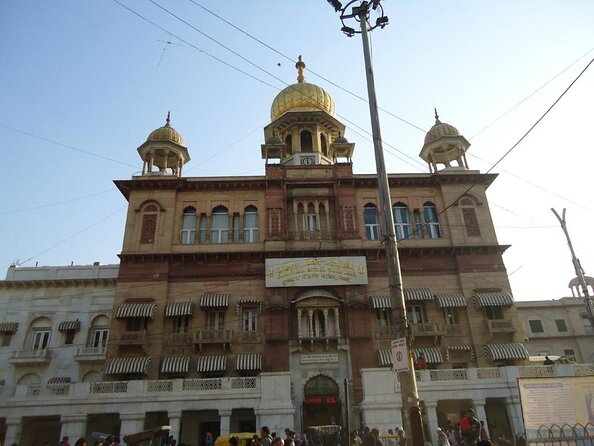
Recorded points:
97,79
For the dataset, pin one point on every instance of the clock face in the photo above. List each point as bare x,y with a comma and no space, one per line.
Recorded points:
307,160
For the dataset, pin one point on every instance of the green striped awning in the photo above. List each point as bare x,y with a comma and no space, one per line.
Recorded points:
493,299
214,300
381,302
128,310
451,300
179,309
432,354
175,364
384,356
125,365
69,326
414,294
248,361
511,350
212,363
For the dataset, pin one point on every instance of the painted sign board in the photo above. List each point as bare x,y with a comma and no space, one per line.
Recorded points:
316,271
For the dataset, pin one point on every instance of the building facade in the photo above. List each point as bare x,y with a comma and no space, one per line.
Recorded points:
244,301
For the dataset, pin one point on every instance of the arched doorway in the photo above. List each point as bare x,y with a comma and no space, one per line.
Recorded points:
321,403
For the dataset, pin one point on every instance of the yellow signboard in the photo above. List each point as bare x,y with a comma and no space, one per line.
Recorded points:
316,271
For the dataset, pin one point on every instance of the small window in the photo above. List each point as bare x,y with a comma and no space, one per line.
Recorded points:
40,339
431,221
250,225
561,325
136,323
219,232
384,317
248,317
494,313
372,228
149,224
536,326
215,320
402,226
181,324
69,337
99,338
569,353
450,315
414,314
5,339
188,231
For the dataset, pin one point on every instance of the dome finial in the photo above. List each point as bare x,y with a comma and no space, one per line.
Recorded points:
300,65
437,121
168,119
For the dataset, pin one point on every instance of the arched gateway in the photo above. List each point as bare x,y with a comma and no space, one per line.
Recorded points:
321,403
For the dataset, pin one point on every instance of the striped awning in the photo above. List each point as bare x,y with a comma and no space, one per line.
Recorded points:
432,354
384,356
248,301
248,361
459,348
123,366
9,327
214,300
511,350
59,380
412,294
451,300
212,363
136,310
493,299
381,302
179,309
175,364
69,326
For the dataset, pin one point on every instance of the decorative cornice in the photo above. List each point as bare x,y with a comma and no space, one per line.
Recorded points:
55,283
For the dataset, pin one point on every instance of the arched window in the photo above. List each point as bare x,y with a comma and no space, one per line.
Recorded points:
319,324
40,333
312,218
431,221
402,225
469,217
99,333
203,228
219,232
250,224
306,142
188,231
372,228
149,224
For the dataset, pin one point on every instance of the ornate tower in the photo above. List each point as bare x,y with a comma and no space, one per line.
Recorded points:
443,145
164,149
303,130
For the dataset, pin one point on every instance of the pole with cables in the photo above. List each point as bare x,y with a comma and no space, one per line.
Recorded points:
411,411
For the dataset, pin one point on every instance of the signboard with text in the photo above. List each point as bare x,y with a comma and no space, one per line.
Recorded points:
399,355
316,271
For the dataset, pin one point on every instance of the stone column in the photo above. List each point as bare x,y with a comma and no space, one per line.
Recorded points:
299,330
131,423
336,322
311,330
225,421
73,426
175,423
325,311
14,429
327,207
432,423
479,410
514,413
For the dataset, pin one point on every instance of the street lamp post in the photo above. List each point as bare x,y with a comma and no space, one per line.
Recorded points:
411,413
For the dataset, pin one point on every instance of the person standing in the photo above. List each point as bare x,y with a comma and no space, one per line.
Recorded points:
265,435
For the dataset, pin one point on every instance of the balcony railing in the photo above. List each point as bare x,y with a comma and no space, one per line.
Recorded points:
312,235
30,356
248,337
500,326
90,354
133,338
426,329
456,330
213,336
179,339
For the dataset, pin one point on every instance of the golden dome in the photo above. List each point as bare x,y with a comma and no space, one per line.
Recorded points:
301,97
166,133
440,129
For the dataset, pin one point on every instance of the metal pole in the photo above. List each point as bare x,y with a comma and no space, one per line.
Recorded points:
411,414
578,267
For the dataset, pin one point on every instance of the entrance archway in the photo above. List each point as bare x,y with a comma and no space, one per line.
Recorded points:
321,403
